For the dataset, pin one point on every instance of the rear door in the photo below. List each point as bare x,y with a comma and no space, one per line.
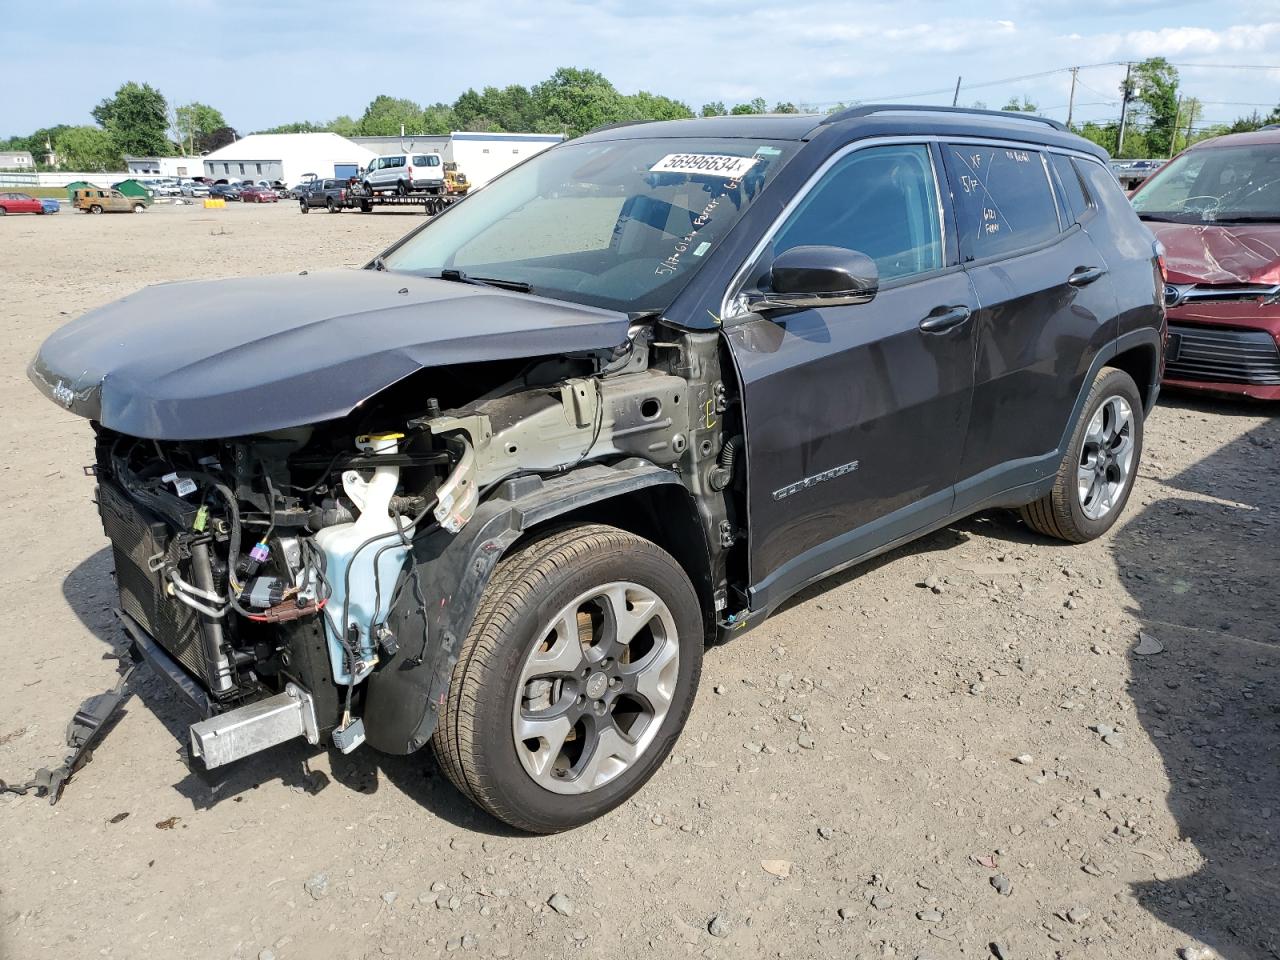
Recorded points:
855,415
1045,306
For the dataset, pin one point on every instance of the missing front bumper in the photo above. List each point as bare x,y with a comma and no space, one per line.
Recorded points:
253,728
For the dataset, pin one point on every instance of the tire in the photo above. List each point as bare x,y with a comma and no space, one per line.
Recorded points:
401,189
3,212
305,207
333,207
561,578
139,207
95,209
1075,514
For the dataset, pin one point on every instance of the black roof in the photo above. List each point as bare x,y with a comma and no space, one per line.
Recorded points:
884,120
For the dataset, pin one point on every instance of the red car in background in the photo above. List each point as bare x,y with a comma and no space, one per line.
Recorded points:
1216,209
19,203
255,194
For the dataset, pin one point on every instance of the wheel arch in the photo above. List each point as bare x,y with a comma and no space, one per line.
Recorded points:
1142,363
405,694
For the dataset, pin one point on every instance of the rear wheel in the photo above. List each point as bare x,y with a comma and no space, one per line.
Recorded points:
333,207
3,212
139,207
401,189
1097,473
95,209
575,679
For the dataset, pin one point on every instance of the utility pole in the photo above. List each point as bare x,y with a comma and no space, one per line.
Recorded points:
1173,135
1071,100
956,97
1124,107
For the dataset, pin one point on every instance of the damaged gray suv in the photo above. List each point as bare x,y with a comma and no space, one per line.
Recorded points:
498,490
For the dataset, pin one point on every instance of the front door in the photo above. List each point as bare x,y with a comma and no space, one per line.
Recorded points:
856,415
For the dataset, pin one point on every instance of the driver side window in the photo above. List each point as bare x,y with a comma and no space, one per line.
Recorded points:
881,201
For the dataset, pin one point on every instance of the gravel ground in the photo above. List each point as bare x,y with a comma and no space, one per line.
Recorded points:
987,766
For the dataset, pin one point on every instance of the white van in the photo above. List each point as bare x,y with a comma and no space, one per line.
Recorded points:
406,173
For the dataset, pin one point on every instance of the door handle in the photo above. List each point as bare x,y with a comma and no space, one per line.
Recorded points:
950,317
1085,276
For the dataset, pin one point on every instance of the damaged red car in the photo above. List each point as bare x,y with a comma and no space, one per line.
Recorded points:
1216,209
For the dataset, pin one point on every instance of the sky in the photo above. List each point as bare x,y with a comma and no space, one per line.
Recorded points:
264,63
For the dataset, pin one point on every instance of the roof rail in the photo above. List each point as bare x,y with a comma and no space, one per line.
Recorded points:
870,109
615,125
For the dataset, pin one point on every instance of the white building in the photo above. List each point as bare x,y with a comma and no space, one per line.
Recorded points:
290,157
481,156
16,160
165,166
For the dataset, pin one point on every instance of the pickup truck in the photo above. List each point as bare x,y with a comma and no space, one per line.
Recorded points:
331,193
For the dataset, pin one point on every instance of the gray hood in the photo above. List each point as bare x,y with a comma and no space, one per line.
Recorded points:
222,358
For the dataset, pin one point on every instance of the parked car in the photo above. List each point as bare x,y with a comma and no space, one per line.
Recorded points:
19,203
502,490
405,173
227,191
330,193
194,188
99,200
258,194
298,189
1216,209
50,206
165,188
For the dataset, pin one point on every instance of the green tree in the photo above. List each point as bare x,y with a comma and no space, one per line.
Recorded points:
438,119
89,149
574,100
387,116
785,106
193,123
1020,106
653,106
757,105
220,138
344,126
1153,90
137,119
715,108
300,126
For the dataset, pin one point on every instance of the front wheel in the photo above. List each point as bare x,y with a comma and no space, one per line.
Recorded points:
139,207
575,679
305,207
1101,463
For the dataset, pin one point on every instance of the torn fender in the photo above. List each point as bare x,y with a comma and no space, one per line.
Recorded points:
405,694
226,358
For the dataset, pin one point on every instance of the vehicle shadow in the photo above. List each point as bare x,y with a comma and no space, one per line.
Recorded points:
1201,576
89,590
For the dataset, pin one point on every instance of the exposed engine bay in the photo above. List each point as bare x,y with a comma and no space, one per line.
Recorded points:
292,574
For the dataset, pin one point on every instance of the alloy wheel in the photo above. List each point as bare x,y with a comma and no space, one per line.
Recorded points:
1106,458
595,688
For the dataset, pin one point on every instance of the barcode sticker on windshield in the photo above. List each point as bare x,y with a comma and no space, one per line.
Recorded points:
707,164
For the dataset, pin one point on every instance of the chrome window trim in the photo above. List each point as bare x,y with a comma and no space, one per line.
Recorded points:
728,309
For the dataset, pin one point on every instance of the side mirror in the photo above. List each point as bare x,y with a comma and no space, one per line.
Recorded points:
817,276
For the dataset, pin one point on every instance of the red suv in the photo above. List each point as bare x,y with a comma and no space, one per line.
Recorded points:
1216,209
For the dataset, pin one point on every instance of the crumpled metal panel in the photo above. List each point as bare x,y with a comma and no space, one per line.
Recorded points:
221,358
1209,253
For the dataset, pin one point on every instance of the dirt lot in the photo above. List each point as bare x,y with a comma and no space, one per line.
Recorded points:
883,769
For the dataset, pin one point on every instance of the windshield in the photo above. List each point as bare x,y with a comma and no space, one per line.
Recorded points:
1214,185
621,224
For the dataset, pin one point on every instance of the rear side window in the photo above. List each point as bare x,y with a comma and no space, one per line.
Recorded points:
426,160
1003,201
1073,197
393,162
